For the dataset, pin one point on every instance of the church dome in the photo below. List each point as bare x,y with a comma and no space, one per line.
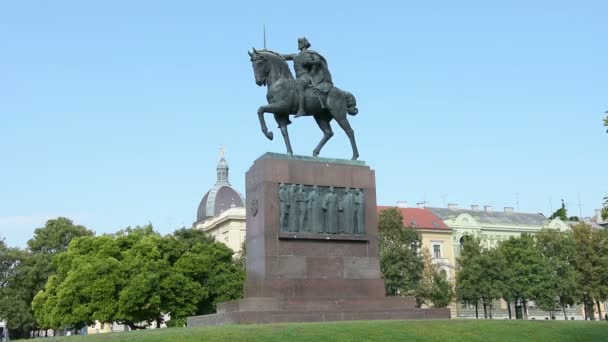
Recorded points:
221,197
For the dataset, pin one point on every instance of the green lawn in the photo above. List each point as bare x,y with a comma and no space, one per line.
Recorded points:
436,330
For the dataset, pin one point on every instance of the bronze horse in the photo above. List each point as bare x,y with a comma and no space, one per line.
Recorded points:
271,70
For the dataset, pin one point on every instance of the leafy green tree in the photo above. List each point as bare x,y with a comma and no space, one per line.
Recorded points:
442,292
433,286
481,275
14,308
32,270
424,290
558,249
55,236
468,273
591,262
241,258
606,120
530,275
561,213
86,286
137,275
490,285
400,263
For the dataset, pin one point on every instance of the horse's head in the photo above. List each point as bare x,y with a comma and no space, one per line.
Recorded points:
268,67
261,67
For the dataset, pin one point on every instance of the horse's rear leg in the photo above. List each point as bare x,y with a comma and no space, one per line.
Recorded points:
327,134
343,122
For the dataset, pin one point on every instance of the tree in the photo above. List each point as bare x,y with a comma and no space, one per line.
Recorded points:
55,236
561,213
442,293
530,274
32,269
492,276
468,273
591,262
606,120
400,263
480,276
137,275
433,286
241,258
424,290
14,308
558,249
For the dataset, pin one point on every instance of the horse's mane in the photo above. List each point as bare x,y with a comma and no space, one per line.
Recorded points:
271,52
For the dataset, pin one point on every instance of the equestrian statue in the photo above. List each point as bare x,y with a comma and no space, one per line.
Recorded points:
311,93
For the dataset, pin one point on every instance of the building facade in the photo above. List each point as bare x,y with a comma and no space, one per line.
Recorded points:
492,227
221,213
435,236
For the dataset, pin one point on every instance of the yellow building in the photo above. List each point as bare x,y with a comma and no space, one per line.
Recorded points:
228,227
435,234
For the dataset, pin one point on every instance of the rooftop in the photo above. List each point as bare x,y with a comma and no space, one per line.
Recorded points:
420,218
492,217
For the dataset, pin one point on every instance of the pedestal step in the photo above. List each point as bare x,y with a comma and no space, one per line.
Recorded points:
262,304
252,317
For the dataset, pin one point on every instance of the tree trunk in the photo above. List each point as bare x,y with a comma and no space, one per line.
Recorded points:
485,310
159,320
476,312
491,304
564,310
525,309
599,310
585,307
588,302
509,307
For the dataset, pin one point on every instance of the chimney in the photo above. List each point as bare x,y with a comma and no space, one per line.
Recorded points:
401,204
508,209
474,207
452,206
487,208
420,205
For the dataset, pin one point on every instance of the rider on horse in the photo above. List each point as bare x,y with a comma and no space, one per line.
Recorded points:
311,71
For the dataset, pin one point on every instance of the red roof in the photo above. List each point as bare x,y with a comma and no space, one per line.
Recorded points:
418,218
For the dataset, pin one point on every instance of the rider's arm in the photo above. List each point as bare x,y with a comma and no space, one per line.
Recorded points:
288,57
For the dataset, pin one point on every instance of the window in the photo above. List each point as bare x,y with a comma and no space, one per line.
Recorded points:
436,252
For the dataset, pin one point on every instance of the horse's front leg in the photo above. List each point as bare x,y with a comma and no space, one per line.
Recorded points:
265,130
281,110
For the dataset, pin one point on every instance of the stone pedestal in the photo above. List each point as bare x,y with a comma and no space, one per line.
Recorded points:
304,276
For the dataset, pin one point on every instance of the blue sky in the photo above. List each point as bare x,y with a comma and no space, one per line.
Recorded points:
113,112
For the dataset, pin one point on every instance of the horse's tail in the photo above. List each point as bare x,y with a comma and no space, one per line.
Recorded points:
351,104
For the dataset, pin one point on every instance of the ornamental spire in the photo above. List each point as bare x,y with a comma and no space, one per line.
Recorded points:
222,168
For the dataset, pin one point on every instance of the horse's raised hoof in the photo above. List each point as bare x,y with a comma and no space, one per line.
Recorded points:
268,135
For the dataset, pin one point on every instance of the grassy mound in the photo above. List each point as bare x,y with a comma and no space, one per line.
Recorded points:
436,330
